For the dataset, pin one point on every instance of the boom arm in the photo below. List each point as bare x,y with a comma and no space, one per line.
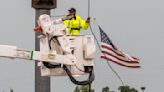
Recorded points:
14,52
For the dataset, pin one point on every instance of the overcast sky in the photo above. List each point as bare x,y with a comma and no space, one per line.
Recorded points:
135,26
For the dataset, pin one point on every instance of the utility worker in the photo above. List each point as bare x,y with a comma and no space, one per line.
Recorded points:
75,23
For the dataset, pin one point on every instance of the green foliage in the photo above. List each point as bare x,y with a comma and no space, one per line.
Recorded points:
105,89
127,89
133,90
83,89
76,89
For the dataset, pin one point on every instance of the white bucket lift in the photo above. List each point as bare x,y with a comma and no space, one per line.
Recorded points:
60,54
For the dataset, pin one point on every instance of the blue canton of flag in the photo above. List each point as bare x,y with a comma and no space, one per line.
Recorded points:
105,38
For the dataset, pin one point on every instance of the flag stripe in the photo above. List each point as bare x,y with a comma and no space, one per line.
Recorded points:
125,63
125,59
108,47
121,59
104,57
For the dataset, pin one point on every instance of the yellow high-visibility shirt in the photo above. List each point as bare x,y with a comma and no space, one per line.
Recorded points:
74,25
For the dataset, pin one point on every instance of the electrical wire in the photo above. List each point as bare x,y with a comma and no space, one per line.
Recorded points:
94,36
106,60
118,76
89,8
58,15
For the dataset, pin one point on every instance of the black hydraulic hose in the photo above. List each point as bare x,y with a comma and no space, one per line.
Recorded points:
85,82
51,66
49,42
47,64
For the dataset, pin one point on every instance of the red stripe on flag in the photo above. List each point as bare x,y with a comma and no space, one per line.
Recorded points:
107,47
123,60
104,57
118,53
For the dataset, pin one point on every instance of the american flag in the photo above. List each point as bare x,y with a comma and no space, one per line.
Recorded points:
111,53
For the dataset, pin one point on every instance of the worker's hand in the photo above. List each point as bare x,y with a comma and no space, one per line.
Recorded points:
88,20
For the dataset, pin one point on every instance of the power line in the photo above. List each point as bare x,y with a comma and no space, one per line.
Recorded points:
106,60
89,4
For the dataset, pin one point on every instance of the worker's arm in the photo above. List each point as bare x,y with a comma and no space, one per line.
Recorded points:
57,21
84,24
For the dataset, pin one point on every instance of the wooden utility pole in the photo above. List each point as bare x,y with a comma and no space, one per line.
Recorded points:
42,84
